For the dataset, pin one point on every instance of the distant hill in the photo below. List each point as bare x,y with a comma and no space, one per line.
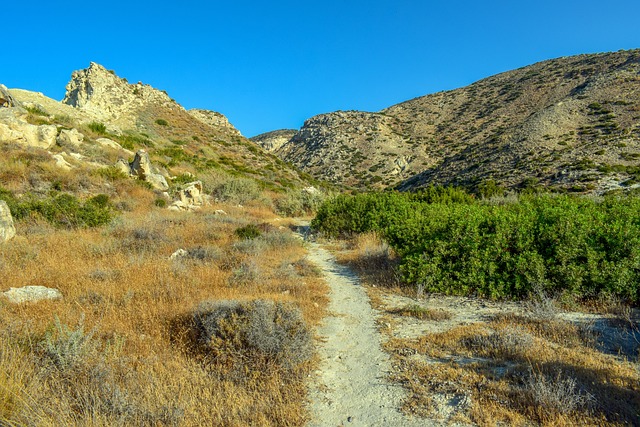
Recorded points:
100,104
571,123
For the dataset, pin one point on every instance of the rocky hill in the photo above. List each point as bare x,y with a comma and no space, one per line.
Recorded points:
273,140
571,123
102,118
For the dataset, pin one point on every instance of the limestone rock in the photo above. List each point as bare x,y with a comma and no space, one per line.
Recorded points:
6,99
142,168
123,165
106,97
14,128
70,137
213,119
7,229
61,162
180,253
109,143
191,197
31,294
271,141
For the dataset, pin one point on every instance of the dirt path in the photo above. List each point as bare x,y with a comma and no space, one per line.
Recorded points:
351,387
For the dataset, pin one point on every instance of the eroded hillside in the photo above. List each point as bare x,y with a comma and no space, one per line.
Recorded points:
571,123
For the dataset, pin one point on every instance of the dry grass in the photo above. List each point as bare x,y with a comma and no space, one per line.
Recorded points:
517,371
133,361
373,259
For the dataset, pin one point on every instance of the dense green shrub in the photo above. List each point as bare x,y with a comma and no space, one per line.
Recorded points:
62,210
248,232
557,244
98,127
162,122
238,190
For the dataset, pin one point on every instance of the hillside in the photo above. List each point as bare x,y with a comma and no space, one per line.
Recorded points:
571,123
100,105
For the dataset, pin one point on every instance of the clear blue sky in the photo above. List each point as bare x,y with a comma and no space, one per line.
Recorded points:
271,64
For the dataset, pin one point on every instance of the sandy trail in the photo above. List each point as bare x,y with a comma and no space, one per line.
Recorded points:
351,387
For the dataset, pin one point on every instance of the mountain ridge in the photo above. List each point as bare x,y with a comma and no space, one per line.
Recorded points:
546,123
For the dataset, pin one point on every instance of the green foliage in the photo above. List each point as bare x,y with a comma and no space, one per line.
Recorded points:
67,347
36,110
61,210
238,190
559,244
97,127
162,122
130,141
296,203
160,202
248,232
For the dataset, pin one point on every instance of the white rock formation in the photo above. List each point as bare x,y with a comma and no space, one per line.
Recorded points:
31,294
107,98
142,168
70,137
14,128
191,197
61,162
7,229
213,119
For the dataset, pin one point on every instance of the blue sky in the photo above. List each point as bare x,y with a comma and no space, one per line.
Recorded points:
271,65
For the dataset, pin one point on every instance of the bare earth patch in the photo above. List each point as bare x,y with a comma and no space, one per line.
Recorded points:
351,386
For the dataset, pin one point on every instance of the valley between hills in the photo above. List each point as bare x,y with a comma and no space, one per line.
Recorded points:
469,257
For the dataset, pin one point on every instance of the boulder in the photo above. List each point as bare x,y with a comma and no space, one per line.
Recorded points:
70,137
15,129
31,294
142,168
61,162
7,229
6,99
109,143
191,197
123,166
180,253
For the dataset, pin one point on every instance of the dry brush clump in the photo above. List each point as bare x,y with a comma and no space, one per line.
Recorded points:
255,333
517,370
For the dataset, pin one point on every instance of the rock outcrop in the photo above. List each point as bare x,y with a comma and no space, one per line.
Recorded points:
7,229
191,197
14,128
70,137
108,98
271,141
31,294
6,99
214,119
142,168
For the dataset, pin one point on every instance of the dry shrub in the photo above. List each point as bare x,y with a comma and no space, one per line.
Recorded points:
374,259
259,330
556,394
422,313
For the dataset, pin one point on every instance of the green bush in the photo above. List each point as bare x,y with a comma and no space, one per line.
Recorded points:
98,127
557,244
162,122
62,210
248,232
238,190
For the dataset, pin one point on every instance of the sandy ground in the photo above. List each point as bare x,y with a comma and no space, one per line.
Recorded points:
351,386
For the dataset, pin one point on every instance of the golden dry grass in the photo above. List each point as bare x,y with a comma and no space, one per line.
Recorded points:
120,282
